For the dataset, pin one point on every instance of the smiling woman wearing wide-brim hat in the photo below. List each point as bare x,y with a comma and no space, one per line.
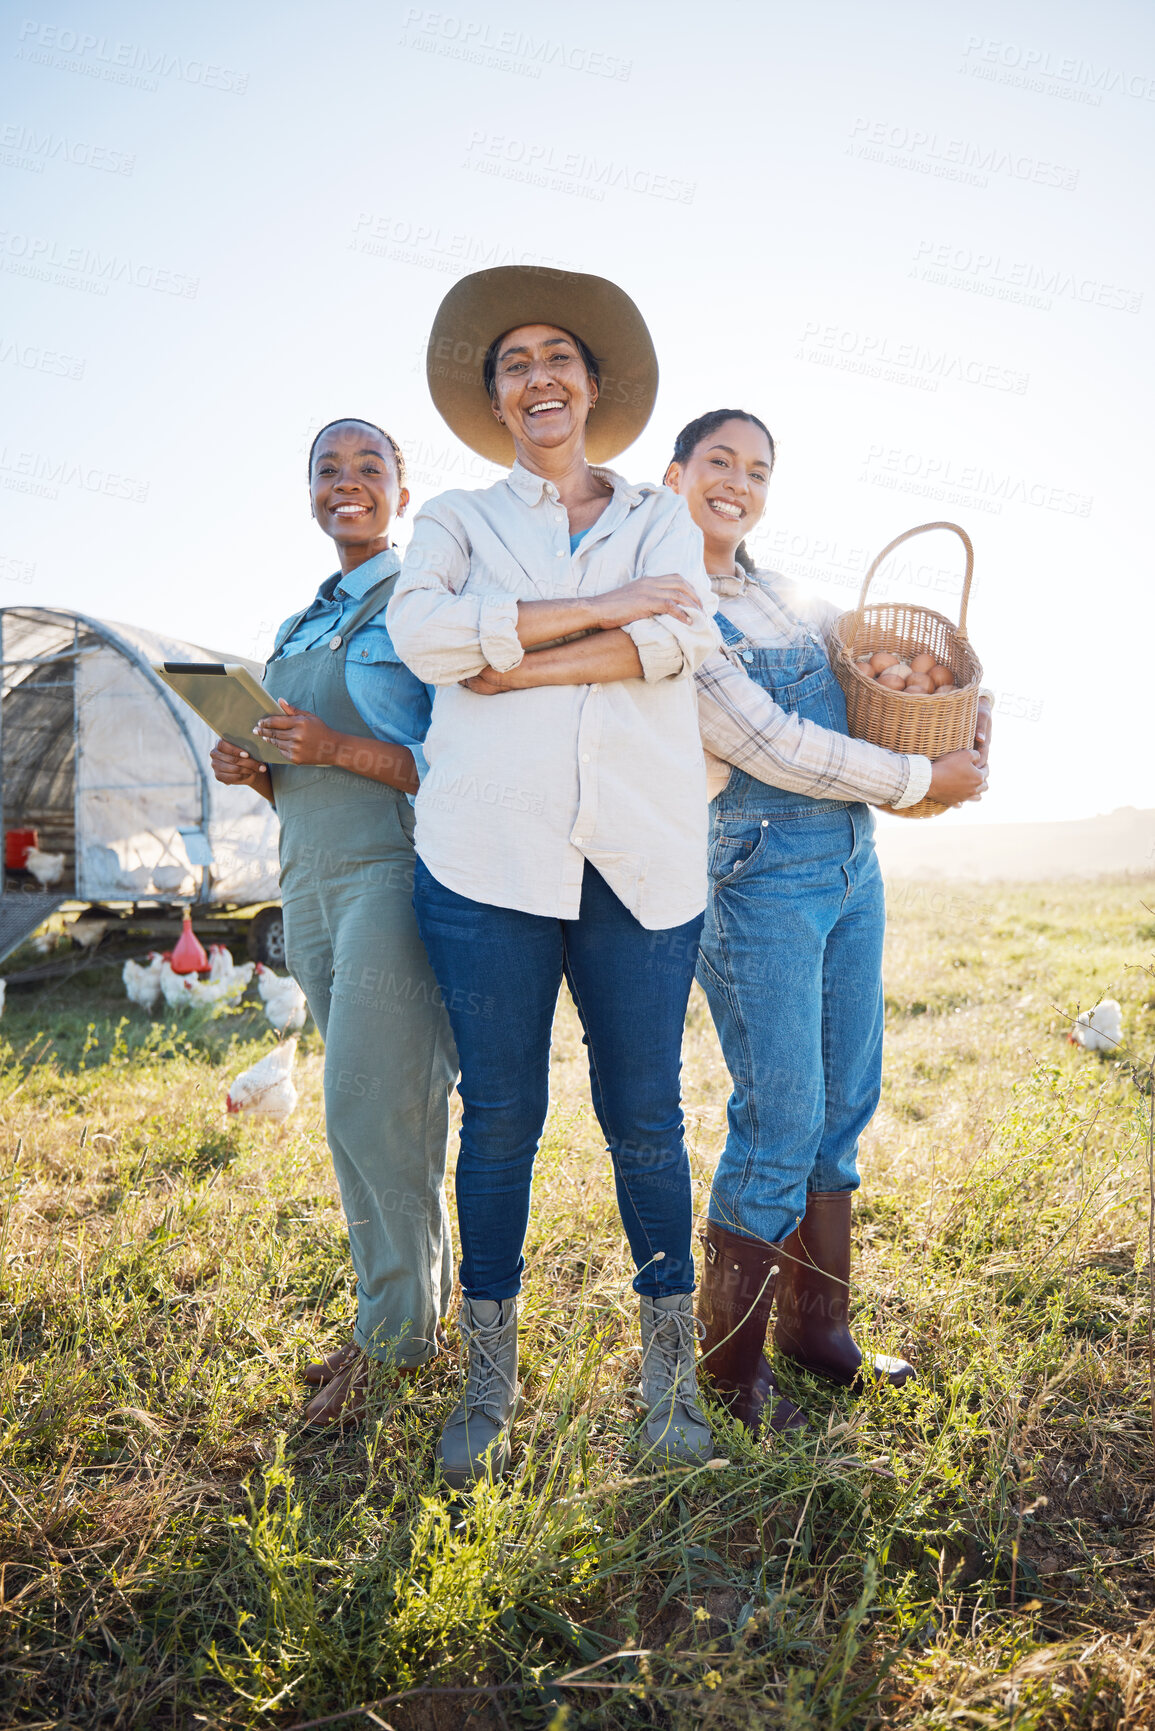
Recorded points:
561,825
486,305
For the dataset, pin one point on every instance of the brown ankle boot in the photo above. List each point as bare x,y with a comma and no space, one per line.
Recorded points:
814,1296
734,1302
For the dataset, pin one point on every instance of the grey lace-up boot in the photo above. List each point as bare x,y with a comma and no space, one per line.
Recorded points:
475,1441
675,1424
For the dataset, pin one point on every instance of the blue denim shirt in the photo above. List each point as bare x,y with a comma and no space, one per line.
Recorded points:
390,700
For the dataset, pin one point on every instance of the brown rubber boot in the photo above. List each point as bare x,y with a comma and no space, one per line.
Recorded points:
734,1302
811,1327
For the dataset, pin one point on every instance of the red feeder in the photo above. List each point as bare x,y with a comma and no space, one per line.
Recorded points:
17,842
188,956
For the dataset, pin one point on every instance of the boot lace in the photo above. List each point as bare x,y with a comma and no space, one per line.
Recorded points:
486,1379
672,1343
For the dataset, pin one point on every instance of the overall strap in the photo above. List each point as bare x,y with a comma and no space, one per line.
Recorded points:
325,593
374,602
287,630
731,633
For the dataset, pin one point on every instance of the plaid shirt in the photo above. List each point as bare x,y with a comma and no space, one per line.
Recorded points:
742,725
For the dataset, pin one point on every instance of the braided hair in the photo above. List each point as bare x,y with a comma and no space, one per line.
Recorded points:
356,421
692,435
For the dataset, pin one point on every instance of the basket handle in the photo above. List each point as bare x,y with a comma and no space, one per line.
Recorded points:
923,529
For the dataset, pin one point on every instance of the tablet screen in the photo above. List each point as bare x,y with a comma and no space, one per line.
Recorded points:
228,698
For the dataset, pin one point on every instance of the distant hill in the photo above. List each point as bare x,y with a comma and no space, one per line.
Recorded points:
1124,841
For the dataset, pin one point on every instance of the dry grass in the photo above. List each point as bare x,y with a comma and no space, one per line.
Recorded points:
976,1551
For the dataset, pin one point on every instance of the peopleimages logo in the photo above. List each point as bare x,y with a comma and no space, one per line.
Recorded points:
126,63
569,171
79,267
877,356
1017,281
34,359
430,247
924,152
32,472
479,44
24,147
16,570
942,479
1040,70
819,559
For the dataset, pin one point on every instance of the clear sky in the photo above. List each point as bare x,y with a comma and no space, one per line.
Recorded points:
915,239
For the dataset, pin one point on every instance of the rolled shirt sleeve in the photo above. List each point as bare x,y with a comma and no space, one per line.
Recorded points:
442,635
668,647
918,783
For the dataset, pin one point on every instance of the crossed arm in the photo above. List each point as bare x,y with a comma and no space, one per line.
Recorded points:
602,656
601,648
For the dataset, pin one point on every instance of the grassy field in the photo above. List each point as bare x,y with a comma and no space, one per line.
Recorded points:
973,1551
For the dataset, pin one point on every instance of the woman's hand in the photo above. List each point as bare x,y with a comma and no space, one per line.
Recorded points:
489,682
298,736
643,598
235,768
959,776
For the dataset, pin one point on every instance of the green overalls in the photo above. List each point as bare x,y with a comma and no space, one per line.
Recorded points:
390,1064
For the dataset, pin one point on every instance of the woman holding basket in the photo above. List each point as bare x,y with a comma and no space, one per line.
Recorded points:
561,829
791,954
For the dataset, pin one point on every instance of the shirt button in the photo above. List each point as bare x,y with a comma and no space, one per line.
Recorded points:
595,687
560,555
335,642
585,756
747,655
577,841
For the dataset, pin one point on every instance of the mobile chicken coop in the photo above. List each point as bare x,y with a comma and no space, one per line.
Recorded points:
110,771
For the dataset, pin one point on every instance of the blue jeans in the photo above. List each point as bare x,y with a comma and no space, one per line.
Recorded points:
500,971
791,963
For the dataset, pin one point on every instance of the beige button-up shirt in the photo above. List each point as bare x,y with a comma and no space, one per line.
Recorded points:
524,787
742,724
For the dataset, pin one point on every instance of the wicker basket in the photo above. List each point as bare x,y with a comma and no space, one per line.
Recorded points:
930,725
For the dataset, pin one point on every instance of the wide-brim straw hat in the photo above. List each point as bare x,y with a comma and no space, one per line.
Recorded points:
485,305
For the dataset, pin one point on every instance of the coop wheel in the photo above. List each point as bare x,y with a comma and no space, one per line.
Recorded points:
267,938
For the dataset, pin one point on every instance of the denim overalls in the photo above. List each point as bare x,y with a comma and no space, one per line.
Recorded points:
352,944
791,963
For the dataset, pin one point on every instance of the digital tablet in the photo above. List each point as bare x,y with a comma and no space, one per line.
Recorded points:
226,695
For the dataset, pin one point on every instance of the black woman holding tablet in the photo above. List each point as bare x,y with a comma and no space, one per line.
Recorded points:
352,722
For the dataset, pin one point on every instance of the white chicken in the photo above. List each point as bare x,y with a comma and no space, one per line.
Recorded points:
225,989
174,988
283,999
46,868
87,929
221,962
190,992
142,981
1100,1029
266,1088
